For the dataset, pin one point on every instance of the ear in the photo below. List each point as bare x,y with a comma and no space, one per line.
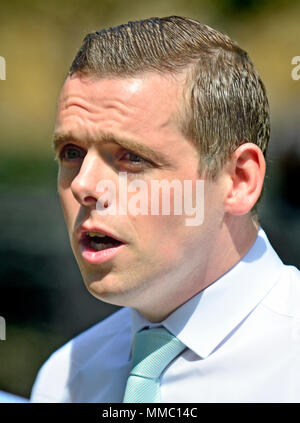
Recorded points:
245,177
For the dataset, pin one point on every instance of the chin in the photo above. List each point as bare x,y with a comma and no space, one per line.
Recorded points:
106,289
113,290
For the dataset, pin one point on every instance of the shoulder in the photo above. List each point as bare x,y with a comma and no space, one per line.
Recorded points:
284,298
63,365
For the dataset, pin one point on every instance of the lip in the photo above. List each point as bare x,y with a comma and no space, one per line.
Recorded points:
83,229
98,257
92,256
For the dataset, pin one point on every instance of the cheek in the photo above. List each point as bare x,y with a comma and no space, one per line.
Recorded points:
69,204
166,235
66,176
162,237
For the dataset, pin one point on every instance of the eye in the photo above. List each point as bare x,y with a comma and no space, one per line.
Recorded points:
133,158
71,153
132,162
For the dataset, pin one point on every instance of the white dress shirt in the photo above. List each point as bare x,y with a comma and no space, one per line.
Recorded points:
7,397
242,335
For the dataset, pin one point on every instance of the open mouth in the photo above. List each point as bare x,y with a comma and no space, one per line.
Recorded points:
94,241
98,247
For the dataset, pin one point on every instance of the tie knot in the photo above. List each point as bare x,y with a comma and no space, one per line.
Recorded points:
153,350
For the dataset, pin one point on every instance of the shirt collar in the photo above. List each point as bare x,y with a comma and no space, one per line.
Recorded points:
205,320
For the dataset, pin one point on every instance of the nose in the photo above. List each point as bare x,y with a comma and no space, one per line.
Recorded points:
84,185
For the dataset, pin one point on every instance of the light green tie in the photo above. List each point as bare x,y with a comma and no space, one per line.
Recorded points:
153,350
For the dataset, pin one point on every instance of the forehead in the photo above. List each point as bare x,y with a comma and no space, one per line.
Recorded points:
150,92
144,109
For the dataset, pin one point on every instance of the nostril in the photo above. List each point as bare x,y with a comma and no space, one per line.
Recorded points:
103,204
89,199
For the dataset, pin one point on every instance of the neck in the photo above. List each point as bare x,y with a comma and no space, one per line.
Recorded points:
236,236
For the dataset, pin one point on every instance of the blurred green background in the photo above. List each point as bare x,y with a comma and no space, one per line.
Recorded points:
42,296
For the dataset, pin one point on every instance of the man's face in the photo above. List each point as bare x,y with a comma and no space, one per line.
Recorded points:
107,126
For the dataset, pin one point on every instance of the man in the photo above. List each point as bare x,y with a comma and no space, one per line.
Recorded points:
171,100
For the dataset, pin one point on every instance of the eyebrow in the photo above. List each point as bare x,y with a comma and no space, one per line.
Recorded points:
131,145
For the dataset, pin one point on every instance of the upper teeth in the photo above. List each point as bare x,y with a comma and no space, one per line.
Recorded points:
92,234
